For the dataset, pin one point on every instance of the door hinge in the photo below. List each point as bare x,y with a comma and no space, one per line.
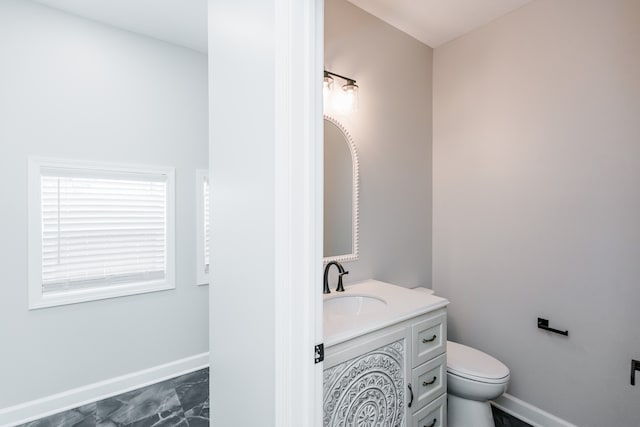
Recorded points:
319,351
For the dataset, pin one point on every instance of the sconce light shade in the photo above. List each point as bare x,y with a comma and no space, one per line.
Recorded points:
327,86
350,90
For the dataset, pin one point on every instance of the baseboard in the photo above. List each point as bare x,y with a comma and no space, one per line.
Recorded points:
529,413
40,408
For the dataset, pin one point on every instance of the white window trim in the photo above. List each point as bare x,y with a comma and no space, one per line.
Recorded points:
36,297
202,276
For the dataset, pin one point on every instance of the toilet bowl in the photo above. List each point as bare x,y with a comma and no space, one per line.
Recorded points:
473,379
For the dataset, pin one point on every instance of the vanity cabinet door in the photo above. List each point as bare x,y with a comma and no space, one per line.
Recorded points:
369,389
432,415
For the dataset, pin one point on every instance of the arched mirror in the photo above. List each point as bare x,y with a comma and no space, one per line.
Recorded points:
340,193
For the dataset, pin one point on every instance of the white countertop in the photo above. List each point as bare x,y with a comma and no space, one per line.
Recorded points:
401,304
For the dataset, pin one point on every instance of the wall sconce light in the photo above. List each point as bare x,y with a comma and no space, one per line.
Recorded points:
347,101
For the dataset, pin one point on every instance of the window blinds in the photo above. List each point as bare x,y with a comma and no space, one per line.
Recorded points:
102,229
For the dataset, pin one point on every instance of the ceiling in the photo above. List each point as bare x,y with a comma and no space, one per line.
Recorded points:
175,21
435,22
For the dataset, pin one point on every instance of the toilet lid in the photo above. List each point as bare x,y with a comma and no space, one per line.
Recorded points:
470,363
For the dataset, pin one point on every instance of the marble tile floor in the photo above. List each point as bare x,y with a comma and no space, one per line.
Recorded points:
178,402
502,419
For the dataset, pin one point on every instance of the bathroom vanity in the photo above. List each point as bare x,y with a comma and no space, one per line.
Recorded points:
385,358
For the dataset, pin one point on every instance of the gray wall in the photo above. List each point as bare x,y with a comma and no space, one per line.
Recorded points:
536,201
71,88
392,132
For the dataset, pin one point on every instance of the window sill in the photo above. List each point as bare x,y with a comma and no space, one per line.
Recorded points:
96,294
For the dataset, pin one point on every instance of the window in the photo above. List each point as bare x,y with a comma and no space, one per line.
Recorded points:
98,231
202,226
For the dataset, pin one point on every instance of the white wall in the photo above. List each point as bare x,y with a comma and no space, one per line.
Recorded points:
536,201
266,176
392,132
71,88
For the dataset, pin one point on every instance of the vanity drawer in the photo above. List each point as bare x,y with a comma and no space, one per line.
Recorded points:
432,415
429,381
429,338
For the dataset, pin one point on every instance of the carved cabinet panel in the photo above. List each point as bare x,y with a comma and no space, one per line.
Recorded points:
367,390
387,377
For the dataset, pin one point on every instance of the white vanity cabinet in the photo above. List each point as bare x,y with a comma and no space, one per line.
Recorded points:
394,376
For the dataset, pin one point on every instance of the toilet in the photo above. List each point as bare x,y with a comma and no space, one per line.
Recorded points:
473,379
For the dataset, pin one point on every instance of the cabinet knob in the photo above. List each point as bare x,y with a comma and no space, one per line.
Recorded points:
426,383
425,340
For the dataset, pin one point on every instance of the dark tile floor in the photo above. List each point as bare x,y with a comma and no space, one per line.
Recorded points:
179,402
502,419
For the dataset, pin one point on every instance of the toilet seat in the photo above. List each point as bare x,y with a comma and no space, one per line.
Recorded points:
472,364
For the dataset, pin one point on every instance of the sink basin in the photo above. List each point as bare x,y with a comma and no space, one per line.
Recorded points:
369,306
353,305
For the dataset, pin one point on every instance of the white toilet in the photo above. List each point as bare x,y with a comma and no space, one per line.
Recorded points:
473,379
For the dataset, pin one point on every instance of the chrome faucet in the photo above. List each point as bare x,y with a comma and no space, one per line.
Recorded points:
341,272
